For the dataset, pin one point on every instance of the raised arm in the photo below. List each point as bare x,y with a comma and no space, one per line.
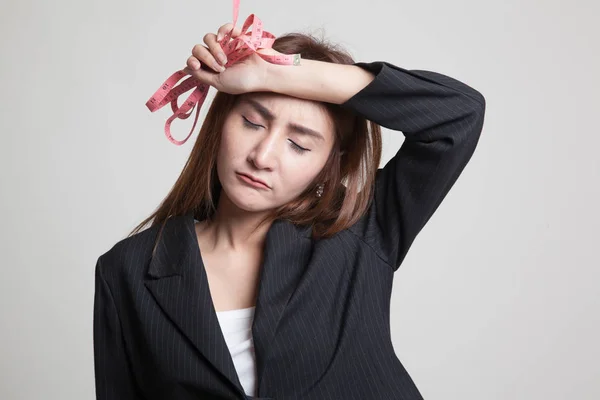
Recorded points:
440,117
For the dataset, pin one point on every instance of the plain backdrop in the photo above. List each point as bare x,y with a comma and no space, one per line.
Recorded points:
499,296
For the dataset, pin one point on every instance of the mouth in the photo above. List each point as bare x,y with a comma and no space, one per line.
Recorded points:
252,180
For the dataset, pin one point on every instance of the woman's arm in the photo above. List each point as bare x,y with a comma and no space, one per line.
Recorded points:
317,80
114,379
440,117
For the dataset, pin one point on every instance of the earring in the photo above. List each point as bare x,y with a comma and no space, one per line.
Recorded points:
320,190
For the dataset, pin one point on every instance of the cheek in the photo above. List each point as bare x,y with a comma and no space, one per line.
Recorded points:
230,148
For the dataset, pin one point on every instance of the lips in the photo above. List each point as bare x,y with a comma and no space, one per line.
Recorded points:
254,179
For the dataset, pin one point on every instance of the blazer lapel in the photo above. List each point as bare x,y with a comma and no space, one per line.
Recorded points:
178,281
286,253
179,284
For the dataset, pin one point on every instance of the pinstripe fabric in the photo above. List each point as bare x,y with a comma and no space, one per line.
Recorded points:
321,326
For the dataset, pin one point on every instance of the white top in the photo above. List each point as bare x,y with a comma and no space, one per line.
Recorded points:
237,330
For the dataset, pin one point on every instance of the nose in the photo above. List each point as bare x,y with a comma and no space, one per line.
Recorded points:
264,154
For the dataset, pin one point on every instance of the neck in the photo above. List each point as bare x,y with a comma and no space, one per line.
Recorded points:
232,228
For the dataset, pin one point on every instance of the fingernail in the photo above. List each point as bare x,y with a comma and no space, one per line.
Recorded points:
222,58
218,67
219,37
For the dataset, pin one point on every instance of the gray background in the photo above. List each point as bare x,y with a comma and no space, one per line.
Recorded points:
498,297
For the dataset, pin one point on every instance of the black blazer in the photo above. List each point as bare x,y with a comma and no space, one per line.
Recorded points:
321,327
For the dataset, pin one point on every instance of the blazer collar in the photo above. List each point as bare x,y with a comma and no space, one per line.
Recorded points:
177,280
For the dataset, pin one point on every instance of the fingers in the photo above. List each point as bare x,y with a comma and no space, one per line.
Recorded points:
205,76
213,56
224,29
215,48
204,56
193,63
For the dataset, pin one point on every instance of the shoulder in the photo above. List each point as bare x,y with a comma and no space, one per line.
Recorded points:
128,257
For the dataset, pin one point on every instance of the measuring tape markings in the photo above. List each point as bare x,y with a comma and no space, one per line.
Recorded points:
235,50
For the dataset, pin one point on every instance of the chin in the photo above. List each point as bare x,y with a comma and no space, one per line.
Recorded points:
245,199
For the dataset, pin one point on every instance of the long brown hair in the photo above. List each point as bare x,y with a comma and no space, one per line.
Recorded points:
348,174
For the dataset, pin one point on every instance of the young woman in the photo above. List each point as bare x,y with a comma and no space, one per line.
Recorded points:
267,270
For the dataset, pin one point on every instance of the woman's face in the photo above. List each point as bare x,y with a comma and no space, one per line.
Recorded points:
281,140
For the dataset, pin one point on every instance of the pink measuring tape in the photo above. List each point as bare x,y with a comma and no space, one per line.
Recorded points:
235,50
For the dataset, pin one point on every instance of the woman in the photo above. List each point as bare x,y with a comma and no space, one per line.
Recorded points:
267,270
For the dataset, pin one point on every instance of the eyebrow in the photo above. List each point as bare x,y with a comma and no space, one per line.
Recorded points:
268,115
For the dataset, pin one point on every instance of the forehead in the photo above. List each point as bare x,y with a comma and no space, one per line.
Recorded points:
289,109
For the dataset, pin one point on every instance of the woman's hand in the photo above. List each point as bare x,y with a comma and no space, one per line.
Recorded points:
206,64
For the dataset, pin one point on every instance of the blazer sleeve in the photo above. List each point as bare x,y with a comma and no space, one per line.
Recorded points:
441,119
113,375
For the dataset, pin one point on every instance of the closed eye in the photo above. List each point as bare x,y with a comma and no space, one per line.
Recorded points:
295,147
250,124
